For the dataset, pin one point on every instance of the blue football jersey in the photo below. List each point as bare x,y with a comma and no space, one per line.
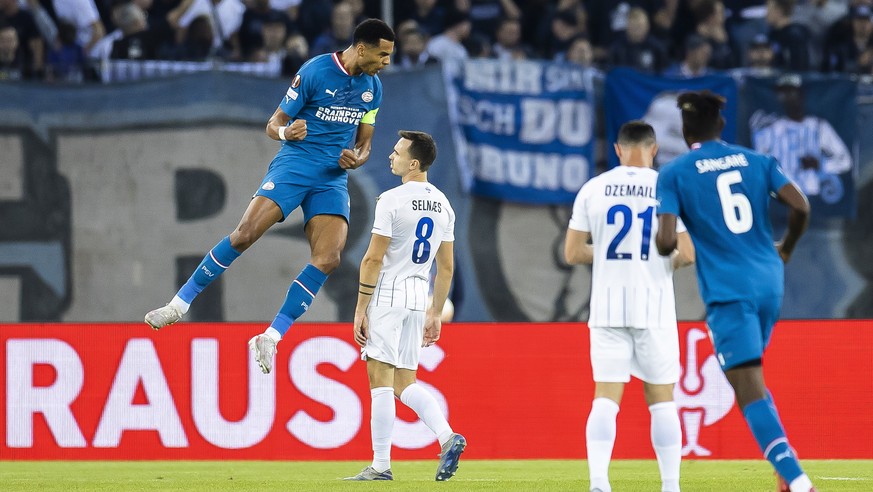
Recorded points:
722,193
333,103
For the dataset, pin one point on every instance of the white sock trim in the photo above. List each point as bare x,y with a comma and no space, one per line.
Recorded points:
773,444
801,484
179,304
273,333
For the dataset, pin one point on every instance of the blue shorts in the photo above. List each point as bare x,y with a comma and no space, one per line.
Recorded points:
741,329
317,191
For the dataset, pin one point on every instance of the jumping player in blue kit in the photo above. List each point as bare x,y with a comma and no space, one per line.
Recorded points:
325,123
722,194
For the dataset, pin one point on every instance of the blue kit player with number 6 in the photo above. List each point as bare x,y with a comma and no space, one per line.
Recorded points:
722,194
324,124
414,226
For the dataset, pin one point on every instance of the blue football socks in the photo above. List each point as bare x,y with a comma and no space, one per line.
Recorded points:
764,422
300,295
213,265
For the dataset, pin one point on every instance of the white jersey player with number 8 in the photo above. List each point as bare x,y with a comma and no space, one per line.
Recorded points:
414,226
632,310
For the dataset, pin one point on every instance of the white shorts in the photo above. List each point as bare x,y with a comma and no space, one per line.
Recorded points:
651,355
395,336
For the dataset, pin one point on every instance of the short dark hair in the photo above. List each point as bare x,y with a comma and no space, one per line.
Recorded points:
701,114
422,148
371,31
636,132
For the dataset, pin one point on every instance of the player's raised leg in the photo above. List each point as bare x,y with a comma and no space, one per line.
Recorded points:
327,238
260,215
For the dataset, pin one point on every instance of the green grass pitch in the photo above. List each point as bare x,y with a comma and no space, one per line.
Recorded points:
473,475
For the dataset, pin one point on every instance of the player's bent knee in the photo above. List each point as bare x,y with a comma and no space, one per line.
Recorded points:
326,263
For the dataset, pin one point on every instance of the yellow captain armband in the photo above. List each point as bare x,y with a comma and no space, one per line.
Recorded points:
370,117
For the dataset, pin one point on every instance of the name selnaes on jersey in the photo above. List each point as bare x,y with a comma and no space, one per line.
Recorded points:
427,206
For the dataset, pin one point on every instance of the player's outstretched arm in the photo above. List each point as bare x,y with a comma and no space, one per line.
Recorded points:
576,247
278,127
798,218
666,239
445,260
684,253
355,158
370,267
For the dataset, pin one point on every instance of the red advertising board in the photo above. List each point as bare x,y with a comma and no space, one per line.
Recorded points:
122,391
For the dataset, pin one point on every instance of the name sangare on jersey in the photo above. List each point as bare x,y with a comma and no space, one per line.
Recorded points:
721,163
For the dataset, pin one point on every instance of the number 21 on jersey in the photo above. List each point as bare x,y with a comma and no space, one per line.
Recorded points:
627,216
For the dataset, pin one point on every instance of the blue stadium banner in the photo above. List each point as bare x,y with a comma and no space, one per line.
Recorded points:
523,130
631,95
809,124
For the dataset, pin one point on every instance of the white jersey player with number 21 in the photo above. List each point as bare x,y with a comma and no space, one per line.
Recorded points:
632,322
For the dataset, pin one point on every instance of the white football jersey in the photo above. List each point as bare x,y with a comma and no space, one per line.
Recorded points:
632,285
418,218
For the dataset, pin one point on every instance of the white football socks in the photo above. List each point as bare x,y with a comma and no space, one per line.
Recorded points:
381,425
667,441
428,410
599,441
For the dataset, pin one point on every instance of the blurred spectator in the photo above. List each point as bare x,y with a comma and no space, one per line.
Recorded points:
11,56
290,7
429,16
637,48
137,42
102,49
225,17
478,45
28,38
564,28
486,14
537,26
412,53
274,30
84,15
852,53
66,62
47,26
760,56
314,18
711,27
159,24
448,46
251,27
818,16
198,41
608,19
296,53
696,60
580,52
508,44
745,19
791,41
339,36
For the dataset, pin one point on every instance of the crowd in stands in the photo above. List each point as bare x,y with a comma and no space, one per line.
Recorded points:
68,40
